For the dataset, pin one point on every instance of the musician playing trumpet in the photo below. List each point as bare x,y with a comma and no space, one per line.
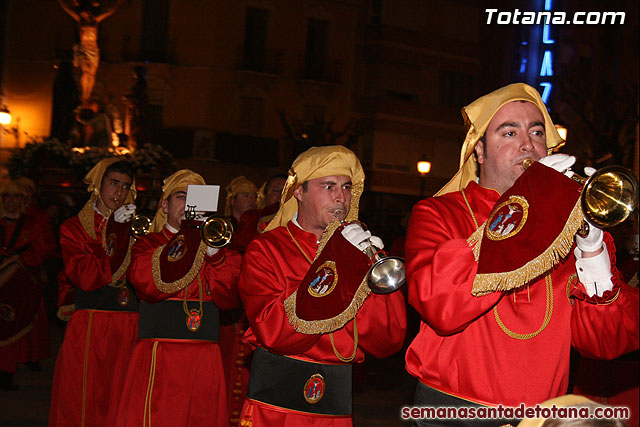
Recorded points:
103,329
503,286
310,313
175,376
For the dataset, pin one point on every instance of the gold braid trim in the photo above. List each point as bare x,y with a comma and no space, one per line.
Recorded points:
179,284
86,217
122,270
475,241
312,327
491,282
548,311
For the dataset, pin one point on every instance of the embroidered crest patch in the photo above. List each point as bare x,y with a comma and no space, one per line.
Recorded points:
111,244
314,388
7,313
508,218
325,281
123,296
177,249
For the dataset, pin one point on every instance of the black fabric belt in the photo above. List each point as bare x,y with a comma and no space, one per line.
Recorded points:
107,298
430,397
294,384
167,319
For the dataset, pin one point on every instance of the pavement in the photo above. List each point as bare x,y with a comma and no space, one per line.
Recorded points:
381,387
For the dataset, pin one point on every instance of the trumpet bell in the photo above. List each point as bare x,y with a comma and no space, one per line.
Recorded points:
609,196
140,225
386,275
216,231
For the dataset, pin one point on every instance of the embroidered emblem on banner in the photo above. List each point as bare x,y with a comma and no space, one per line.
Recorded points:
508,218
194,320
314,388
123,296
177,249
111,244
7,313
325,281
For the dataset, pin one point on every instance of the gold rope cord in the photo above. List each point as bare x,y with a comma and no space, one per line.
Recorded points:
355,345
547,314
185,305
84,368
152,375
292,299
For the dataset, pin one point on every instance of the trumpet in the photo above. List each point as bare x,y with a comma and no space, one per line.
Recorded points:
216,231
608,196
387,274
140,225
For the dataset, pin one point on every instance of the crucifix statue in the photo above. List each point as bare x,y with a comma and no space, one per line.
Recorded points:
88,14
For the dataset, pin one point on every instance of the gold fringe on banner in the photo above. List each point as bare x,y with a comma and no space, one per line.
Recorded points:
558,250
179,284
324,326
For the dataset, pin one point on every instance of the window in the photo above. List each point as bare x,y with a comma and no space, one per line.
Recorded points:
155,29
255,35
316,51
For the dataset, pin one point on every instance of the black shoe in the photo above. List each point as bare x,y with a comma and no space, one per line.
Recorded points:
34,366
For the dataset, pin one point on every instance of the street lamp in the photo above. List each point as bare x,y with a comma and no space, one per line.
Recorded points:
424,167
5,116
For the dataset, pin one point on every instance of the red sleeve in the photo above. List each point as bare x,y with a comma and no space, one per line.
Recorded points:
264,284
86,264
441,269
382,324
38,246
605,327
221,272
140,273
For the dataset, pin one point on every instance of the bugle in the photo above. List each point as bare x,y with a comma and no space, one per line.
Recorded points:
387,273
608,196
216,231
140,225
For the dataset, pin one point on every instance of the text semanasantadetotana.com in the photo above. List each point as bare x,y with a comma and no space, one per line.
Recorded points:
553,17
508,412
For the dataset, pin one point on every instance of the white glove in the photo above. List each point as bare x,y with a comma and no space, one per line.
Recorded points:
124,213
360,238
588,171
560,162
592,242
212,251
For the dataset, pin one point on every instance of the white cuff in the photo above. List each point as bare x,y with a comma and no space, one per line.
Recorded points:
594,273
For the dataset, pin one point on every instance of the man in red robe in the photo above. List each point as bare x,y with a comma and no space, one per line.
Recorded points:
236,362
99,338
22,250
299,378
507,347
37,348
175,375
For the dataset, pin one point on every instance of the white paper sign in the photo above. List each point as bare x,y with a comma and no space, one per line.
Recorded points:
203,197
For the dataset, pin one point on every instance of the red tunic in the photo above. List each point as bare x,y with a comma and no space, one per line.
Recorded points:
37,347
179,382
32,248
273,268
97,344
461,349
